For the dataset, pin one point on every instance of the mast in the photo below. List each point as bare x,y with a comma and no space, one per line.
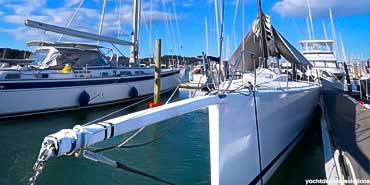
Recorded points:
343,50
308,29
310,16
102,20
261,17
216,16
135,30
72,18
324,28
221,36
206,25
333,33
150,33
243,32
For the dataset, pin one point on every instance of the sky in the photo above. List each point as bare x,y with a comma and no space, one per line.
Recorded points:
181,23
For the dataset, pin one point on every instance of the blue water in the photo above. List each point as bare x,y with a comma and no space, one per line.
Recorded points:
181,156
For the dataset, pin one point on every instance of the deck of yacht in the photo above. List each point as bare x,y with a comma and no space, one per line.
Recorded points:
349,125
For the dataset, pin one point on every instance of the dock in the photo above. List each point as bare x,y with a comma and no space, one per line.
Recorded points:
348,127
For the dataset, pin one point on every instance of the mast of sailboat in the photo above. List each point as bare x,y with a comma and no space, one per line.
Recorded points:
324,29
206,32
135,33
263,34
221,36
333,33
243,32
72,18
343,50
325,34
308,28
216,17
310,17
101,20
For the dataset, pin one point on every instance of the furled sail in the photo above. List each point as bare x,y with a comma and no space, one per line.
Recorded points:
289,52
277,46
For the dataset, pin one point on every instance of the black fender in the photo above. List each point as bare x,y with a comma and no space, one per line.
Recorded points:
84,98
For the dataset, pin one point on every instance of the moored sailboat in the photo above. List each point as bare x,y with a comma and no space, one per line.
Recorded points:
66,75
254,121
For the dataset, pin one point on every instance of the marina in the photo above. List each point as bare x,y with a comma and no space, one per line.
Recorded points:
96,98
182,157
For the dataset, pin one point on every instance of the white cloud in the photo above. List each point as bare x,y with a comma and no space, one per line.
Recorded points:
321,7
87,19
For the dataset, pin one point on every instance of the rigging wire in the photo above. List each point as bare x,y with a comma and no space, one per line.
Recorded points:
90,153
173,34
256,119
177,24
121,145
72,18
117,111
235,14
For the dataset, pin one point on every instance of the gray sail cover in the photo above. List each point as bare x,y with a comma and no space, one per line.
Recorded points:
277,46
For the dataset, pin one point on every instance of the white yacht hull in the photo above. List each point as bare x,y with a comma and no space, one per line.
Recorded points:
243,149
22,98
282,118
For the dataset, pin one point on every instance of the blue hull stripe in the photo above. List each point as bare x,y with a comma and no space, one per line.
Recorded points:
74,82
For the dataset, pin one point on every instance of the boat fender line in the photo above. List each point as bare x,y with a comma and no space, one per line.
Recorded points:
133,92
84,98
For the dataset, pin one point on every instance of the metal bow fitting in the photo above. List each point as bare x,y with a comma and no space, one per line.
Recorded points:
46,151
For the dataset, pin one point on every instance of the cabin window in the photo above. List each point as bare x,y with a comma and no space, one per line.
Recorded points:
39,56
125,73
139,72
81,58
104,74
13,76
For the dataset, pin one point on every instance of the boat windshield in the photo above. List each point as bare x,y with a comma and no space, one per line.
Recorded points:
317,46
39,56
81,58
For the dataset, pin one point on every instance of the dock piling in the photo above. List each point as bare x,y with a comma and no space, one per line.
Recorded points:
157,75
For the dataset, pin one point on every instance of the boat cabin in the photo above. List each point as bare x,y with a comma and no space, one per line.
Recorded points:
68,60
57,58
319,53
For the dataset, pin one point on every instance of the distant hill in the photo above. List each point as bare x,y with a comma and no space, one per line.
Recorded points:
167,60
14,53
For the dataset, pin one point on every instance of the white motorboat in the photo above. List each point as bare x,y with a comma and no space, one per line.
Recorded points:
254,122
320,54
64,75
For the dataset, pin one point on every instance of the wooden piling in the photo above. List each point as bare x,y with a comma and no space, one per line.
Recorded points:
157,75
